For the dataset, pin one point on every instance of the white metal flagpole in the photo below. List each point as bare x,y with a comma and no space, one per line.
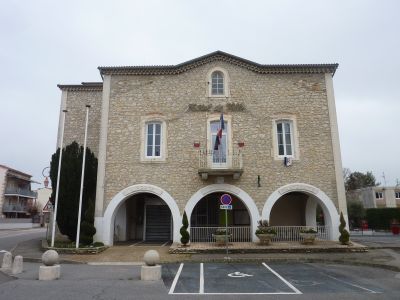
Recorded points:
53,231
82,179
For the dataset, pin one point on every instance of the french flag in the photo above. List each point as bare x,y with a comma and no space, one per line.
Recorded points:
219,133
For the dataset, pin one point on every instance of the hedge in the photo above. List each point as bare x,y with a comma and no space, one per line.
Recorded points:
381,218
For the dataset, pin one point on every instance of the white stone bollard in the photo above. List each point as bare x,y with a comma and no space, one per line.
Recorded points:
17,267
51,269
7,262
151,271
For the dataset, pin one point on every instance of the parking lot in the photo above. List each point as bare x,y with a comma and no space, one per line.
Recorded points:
285,279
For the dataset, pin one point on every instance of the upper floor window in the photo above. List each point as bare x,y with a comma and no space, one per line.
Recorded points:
378,195
153,139
217,83
397,195
284,132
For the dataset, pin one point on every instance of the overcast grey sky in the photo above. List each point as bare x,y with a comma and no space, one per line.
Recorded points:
43,43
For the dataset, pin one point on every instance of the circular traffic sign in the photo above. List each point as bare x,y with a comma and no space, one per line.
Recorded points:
226,199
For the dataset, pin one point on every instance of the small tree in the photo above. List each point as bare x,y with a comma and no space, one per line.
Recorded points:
344,237
185,236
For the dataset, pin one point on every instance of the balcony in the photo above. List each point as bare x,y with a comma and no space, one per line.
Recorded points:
220,163
15,208
20,192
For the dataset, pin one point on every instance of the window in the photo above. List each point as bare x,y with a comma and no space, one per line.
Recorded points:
217,83
397,195
284,132
153,139
378,195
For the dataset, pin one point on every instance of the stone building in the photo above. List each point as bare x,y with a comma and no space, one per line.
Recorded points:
154,129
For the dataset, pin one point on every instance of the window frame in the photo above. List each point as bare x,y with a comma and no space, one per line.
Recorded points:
154,123
145,121
229,143
380,193
397,194
226,82
293,137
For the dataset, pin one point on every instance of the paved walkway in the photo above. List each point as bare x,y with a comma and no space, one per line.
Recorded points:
129,254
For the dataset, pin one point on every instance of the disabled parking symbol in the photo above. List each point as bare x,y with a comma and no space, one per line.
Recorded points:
239,275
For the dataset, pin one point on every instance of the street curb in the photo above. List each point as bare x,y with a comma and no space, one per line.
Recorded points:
63,261
291,260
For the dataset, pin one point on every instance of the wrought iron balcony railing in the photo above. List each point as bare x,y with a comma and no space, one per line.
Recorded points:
20,192
217,162
15,208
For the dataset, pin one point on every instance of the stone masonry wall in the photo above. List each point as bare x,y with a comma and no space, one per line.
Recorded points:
76,116
263,96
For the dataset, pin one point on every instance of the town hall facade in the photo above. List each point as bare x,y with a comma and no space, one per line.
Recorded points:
154,130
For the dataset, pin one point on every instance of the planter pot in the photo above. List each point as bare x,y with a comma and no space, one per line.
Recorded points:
221,239
265,238
308,238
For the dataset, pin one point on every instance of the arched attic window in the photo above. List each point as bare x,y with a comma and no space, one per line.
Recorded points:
217,83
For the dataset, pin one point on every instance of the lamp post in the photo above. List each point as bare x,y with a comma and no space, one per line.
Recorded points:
58,180
78,229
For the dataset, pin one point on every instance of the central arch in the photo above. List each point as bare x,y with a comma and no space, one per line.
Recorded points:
231,189
119,199
330,212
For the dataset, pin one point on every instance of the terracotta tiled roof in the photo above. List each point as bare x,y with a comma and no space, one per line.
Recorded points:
219,56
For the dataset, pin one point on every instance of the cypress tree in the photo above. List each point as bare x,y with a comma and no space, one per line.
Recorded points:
185,236
344,237
70,181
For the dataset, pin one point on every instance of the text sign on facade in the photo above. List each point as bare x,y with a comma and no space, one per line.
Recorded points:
224,206
226,199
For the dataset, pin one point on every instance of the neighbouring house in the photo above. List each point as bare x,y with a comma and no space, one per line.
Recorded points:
376,196
16,196
176,138
43,202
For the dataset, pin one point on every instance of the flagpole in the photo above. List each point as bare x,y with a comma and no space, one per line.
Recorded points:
82,179
58,180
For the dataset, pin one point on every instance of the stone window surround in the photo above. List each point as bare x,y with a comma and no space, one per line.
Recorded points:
143,124
397,194
294,135
226,83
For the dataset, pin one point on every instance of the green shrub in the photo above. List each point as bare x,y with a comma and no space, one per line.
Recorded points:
185,236
98,244
344,237
382,218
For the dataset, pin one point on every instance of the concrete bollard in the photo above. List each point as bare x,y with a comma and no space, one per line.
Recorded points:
151,271
7,262
51,269
17,267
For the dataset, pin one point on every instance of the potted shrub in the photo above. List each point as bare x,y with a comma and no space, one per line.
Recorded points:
264,232
308,234
221,236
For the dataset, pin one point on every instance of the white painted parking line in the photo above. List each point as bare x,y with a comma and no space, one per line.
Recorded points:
201,289
201,284
351,284
283,279
171,291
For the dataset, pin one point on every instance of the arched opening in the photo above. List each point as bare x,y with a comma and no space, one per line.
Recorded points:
289,210
293,206
105,225
207,217
143,217
295,211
